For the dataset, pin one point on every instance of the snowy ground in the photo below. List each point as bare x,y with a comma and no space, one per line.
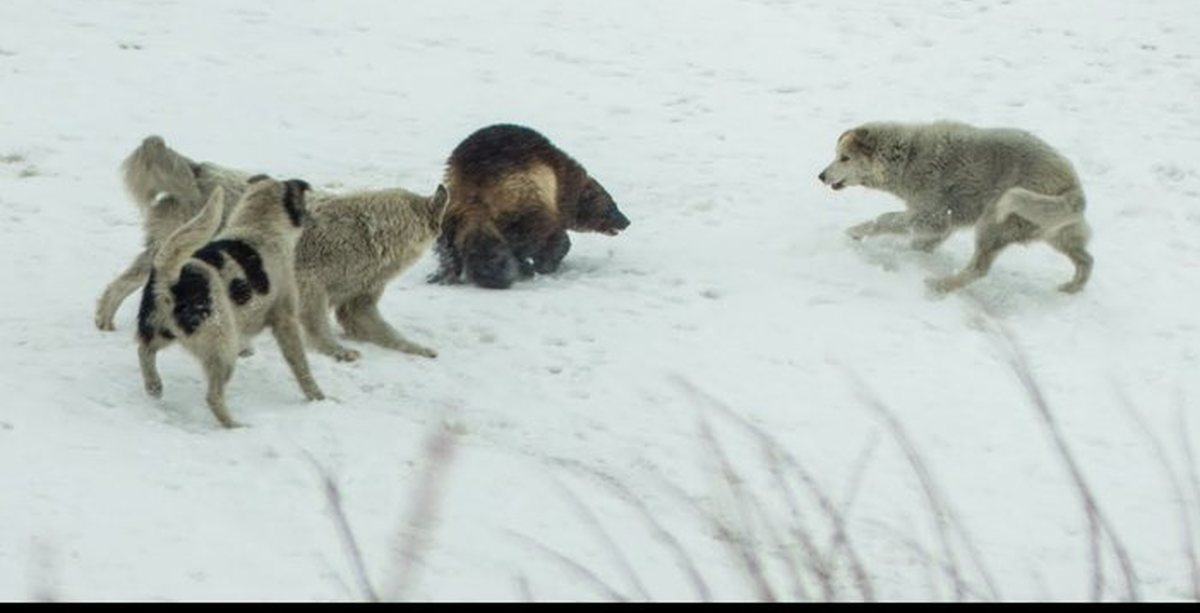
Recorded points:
708,122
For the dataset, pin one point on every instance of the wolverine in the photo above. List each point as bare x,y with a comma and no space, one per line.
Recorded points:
513,196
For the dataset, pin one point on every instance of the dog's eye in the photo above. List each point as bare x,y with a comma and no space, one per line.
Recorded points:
844,158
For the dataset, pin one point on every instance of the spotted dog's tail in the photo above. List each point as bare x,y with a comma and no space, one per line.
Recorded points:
183,242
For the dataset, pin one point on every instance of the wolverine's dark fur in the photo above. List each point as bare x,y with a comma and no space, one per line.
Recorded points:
513,196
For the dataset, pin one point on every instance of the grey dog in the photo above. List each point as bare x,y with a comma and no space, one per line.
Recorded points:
1010,185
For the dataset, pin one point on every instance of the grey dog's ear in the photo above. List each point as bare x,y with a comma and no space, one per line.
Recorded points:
862,141
257,178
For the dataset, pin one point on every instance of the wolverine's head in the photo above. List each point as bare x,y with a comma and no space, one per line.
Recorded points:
596,211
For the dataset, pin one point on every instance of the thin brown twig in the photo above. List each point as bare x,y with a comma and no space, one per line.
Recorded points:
414,539
1194,480
345,533
606,539
817,563
1098,523
855,484
845,546
945,517
1164,462
580,570
752,563
682,558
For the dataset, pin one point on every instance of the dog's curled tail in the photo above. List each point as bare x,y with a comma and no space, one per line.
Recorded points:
183,242
1048,211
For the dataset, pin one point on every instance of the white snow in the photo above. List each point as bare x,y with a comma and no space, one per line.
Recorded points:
708,122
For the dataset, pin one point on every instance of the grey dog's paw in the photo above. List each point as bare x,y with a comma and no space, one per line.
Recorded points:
154,388
861,230
1072,287
422,351
942,285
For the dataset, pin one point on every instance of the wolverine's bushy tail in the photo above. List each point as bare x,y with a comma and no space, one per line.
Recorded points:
182,243
154,168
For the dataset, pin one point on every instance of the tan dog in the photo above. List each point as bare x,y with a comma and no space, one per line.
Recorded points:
354,245
1008,184
212,295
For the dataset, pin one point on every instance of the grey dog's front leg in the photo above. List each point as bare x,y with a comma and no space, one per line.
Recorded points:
896,222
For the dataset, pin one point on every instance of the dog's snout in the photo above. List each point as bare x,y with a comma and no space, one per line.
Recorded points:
821,177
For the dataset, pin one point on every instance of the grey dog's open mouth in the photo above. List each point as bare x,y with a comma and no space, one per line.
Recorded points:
838,185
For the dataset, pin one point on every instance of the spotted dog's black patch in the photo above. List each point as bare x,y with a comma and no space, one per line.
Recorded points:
210,256
246,256
165,333
239,291
193,302
293,200
145,327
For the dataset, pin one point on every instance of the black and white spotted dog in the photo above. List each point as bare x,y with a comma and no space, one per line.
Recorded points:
212,296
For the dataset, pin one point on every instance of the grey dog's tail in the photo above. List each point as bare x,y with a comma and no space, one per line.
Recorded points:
1049,211
154,168
183,242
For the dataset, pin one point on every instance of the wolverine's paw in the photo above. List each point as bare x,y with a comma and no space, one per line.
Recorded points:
525,269
442,277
